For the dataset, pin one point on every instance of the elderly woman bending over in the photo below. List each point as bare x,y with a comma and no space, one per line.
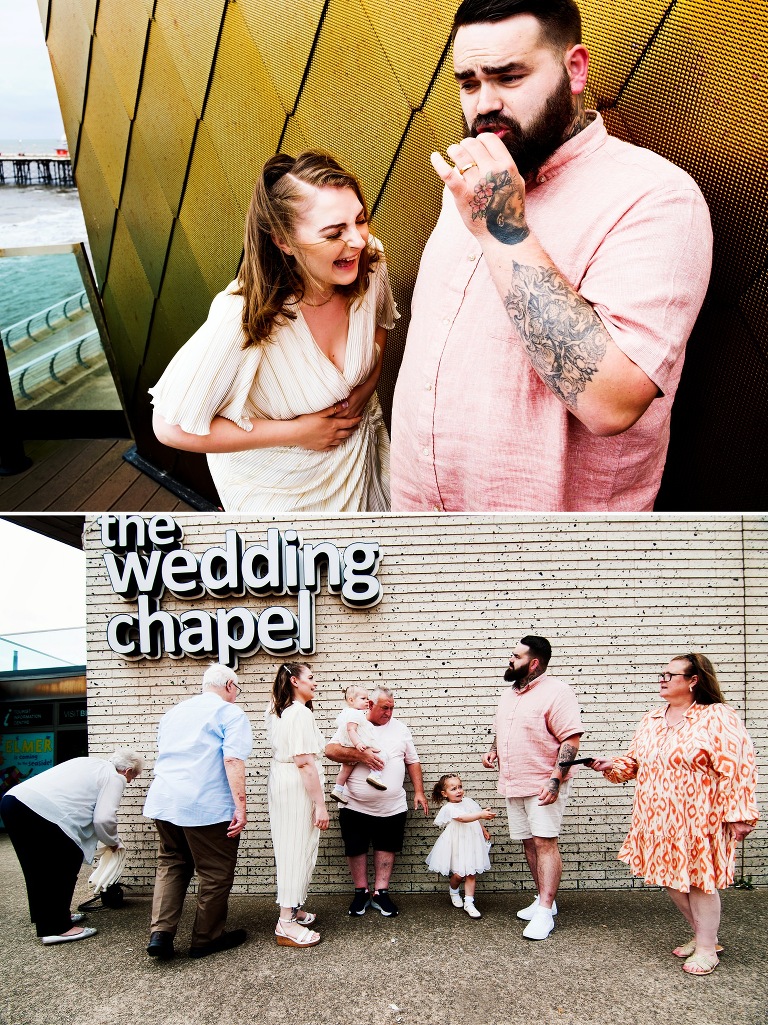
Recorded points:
54,820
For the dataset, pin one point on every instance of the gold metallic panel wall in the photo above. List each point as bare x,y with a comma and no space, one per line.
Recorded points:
171,107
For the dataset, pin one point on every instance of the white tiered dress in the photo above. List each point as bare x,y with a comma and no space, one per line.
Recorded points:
461,847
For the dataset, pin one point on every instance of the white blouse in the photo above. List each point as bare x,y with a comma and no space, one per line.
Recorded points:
282,378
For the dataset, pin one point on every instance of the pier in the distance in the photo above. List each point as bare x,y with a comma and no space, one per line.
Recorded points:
36,169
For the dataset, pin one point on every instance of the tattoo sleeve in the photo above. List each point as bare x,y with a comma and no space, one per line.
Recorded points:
567,753
501,202
563,336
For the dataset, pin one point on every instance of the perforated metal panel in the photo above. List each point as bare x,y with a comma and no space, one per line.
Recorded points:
220,85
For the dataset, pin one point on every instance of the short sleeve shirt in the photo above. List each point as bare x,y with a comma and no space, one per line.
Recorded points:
395,740
190,787
473,426
530,726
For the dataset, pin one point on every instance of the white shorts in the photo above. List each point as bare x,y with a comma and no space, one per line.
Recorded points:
528,818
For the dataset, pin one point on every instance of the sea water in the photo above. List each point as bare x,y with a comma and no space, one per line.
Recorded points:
36,215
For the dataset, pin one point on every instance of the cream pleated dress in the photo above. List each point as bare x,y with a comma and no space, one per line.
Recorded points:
461,847
282,378
295,837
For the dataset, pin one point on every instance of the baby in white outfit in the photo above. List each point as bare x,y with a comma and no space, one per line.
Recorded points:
357,732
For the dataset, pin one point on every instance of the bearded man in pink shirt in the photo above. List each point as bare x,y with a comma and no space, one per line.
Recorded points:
537,726
556,294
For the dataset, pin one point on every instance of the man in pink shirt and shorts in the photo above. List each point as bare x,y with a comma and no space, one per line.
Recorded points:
556,294
537,726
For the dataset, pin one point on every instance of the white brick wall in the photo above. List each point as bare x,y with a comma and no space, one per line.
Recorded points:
616,596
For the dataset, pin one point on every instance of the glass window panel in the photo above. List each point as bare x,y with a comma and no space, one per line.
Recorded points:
50,339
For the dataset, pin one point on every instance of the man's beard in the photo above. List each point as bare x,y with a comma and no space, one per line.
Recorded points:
517,676
532,146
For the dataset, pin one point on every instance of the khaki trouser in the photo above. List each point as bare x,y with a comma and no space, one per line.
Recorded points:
184,850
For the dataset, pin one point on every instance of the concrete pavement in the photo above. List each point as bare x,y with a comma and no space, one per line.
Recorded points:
607,961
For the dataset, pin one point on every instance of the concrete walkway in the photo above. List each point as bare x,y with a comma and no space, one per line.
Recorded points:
607,962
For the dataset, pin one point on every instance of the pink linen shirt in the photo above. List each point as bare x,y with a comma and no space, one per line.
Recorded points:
473,426
530,725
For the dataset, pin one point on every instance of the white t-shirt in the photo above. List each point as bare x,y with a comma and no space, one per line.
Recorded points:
396,742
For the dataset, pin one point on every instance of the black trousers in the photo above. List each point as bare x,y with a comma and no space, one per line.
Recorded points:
50,861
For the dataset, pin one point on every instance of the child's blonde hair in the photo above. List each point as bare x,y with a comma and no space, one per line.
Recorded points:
351,690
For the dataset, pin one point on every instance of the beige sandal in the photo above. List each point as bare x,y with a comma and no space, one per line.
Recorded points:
701,964
305,938
690,948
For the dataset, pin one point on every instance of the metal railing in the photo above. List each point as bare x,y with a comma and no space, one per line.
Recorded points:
44,322
82,353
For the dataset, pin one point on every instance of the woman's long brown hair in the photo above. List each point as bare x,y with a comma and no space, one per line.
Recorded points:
272,282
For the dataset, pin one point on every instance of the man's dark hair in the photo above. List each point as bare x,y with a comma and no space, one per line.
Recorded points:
539,648
560,20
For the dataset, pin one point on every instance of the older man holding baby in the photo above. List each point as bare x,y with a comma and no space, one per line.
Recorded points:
372,817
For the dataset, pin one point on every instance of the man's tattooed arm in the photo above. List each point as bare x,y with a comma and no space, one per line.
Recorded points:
563,336
568,751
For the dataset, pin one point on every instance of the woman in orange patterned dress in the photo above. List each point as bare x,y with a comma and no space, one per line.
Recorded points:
695,799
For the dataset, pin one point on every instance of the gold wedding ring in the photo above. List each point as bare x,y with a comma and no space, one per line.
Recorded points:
466,167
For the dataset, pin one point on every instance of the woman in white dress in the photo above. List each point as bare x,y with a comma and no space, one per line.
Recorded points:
278,387
297,810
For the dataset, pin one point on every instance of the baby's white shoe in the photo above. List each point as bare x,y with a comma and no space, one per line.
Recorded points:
340,794
455,897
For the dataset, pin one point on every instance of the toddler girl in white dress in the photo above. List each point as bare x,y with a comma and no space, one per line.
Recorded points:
356,731
461,851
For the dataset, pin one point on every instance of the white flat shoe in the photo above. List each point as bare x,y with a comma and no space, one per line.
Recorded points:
84,933
469,907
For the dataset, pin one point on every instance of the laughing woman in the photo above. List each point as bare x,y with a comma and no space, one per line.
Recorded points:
297,810
278,387
695,799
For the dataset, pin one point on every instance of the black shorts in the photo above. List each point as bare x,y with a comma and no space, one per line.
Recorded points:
360,831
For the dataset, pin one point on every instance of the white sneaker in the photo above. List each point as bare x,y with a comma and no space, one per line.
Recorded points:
340,794
469,907
373,781
540,926
455,898
527,913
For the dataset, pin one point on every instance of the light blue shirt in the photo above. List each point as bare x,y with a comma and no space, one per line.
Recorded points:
190,787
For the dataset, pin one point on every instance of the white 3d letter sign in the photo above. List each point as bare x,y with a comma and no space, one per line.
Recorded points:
144,559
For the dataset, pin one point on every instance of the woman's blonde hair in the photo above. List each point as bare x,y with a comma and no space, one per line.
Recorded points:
271,281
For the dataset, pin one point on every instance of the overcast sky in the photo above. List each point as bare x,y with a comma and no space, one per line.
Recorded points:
29,108
43,582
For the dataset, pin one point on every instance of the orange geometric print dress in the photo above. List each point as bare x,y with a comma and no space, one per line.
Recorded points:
691,780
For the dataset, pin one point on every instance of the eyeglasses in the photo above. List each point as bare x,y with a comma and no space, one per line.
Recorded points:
666,677
237,688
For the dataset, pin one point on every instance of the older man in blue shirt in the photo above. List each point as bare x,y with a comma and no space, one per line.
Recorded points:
197,800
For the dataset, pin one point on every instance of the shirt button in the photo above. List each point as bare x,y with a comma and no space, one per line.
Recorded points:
435,508
425,451
446,321
428,386
472,257
541,179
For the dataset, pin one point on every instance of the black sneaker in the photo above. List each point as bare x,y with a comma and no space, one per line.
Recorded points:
360,902
383,903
